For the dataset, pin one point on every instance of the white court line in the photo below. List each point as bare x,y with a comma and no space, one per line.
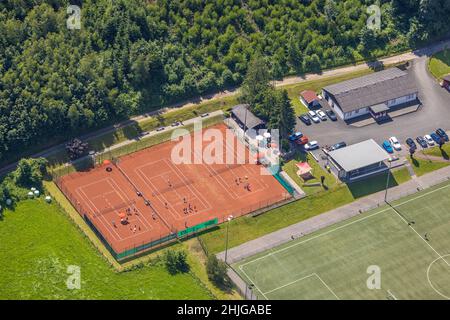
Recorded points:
192,187
254,284
216,176
392,295
290,283
102,219
151,186
92,206
328,287
148,225
343,226
412,228
244,166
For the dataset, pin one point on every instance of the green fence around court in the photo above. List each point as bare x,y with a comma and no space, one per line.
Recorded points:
284,183
154,243
198,228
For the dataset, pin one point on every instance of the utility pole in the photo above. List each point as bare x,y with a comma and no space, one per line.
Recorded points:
226,243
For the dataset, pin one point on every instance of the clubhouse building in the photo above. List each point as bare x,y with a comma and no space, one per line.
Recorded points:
358,161
375,94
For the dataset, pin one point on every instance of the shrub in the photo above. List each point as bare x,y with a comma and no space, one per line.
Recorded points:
217,272
176,262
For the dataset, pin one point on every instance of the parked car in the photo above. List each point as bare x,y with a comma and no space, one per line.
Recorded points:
160,129
442,134
302,141
312,145
331,115
410,142
387,146
395,143
435,137
338,146
295,136
322,115
204,115
429,140
313,116
422,142
305,119
176,124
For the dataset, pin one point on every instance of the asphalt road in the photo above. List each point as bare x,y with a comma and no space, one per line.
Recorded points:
435,113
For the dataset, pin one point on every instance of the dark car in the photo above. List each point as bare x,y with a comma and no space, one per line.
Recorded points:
305,119
423,143
160,129
338,146
441,133
331,115
436,137
411,144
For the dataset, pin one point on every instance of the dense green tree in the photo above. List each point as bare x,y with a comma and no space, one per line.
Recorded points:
30,172
217,271
131,56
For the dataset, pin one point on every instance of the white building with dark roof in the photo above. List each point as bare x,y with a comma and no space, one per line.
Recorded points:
359,161
374,94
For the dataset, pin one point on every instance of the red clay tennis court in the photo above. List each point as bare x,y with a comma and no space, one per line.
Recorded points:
145,199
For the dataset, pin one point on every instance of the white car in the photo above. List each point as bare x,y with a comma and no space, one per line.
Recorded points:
429,140
313,116
312,145
395,143
322,115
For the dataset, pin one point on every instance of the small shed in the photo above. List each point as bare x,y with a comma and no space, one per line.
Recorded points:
304,170
309,98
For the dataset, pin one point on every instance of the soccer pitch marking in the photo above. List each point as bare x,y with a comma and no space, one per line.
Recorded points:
241,267
299,280
428,277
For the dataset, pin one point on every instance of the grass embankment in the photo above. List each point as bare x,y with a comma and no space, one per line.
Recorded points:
131,147
133,130
39,243
424,166
248,228
196,256
439,64
443,153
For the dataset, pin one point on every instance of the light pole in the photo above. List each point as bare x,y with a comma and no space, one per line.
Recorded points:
250,286
226,243
387,182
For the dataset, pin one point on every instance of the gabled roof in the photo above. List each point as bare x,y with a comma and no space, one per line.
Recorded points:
309,96
245,116
372,89
359,155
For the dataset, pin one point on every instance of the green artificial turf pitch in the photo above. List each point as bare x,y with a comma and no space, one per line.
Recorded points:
334,263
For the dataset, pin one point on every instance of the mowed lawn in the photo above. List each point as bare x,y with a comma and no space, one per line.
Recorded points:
38,243
439,64
334,262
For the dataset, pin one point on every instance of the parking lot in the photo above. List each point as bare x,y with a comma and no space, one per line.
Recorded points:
434,113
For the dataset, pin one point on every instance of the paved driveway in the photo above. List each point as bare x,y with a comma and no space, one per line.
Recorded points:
434,113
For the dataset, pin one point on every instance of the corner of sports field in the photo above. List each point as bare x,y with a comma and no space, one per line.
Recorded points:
407,242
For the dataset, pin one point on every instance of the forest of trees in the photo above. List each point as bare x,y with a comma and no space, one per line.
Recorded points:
134,55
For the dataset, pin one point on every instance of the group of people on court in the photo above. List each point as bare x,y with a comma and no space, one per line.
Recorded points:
247,185
124,219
